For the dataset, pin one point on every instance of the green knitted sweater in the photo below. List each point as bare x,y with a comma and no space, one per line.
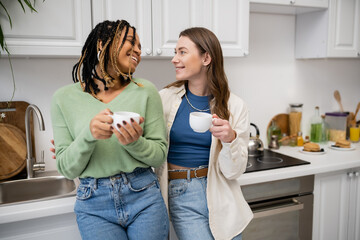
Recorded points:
78,154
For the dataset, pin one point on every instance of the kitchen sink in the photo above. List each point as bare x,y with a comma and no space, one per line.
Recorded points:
36,189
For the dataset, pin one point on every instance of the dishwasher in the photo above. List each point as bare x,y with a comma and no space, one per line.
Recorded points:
282,209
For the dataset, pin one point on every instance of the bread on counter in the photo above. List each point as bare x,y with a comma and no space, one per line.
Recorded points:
342,144
312,147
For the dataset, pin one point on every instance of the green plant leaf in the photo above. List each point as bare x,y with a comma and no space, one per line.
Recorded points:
7,13
28,3
22,6
2,40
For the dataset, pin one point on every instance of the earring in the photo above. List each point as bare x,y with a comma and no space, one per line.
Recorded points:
98,55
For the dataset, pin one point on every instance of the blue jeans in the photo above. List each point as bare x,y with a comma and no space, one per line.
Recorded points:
124,206
188,209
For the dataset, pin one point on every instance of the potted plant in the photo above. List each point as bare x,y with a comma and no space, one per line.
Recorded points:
23,3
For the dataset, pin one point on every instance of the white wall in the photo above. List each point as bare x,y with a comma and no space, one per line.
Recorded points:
268,79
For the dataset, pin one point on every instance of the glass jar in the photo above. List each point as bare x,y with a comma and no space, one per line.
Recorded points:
316,127
336,122
300,140
295,116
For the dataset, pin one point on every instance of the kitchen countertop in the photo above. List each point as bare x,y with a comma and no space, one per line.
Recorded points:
332,160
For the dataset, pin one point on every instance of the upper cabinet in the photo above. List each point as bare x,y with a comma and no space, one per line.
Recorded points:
334,33
159,22
59,28
288,6
136,12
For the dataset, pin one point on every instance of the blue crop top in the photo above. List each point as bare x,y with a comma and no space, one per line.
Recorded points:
189,148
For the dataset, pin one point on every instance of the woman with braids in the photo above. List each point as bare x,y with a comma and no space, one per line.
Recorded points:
118,196
199,179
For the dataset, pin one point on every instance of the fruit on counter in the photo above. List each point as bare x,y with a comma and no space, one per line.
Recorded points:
342,144
312,147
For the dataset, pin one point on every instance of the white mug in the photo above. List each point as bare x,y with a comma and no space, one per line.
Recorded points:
200,122
119,117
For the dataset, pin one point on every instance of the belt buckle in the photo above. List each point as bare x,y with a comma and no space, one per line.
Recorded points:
195,172
199,168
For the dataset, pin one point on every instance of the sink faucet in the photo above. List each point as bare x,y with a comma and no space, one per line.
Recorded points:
31,164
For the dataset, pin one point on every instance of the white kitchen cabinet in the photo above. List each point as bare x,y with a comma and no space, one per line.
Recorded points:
59,28
288,6
336,205
137,13
159,22
302,3
334,33
57,227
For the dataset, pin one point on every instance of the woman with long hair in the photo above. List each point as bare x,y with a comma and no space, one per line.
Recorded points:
119,195
199,179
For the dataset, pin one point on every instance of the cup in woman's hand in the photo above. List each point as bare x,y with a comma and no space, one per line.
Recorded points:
121,117
200,122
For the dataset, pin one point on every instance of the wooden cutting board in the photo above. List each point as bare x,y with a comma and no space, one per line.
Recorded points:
282,120
12,151
14,115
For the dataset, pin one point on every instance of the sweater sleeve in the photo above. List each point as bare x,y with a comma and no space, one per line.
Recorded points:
72,155
233,156
151,148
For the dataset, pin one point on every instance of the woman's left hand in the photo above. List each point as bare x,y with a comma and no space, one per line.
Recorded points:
222,130
130,132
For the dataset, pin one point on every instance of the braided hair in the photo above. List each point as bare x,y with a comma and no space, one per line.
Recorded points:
105,35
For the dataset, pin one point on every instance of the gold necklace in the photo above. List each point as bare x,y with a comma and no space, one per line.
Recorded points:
205,110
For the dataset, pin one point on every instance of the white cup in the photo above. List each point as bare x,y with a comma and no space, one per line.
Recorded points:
200,122
119,117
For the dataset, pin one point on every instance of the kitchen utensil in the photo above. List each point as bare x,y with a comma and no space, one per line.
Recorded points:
282,121
313,153
14,115
356,111
350,119
274,143
256,146
338,99
342,149
12,151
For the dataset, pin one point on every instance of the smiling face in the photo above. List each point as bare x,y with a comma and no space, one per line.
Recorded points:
188,62
129,56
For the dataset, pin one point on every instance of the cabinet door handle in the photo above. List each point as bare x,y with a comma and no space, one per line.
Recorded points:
158,51
292,2
148,51
356,174
293,205
350,174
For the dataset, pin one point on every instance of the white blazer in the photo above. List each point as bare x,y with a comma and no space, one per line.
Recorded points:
229,213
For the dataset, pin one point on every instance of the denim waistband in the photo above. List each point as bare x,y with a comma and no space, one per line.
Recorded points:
121,176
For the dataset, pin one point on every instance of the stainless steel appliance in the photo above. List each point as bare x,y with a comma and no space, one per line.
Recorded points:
255,146
271,160
282,209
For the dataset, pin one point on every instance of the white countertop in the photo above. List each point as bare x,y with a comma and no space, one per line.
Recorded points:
36,209
332,160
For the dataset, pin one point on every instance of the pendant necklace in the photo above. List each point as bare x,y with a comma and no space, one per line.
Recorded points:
204,110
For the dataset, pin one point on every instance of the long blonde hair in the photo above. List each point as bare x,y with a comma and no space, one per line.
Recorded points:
207,42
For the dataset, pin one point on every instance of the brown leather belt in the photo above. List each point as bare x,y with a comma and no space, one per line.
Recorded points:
183,174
